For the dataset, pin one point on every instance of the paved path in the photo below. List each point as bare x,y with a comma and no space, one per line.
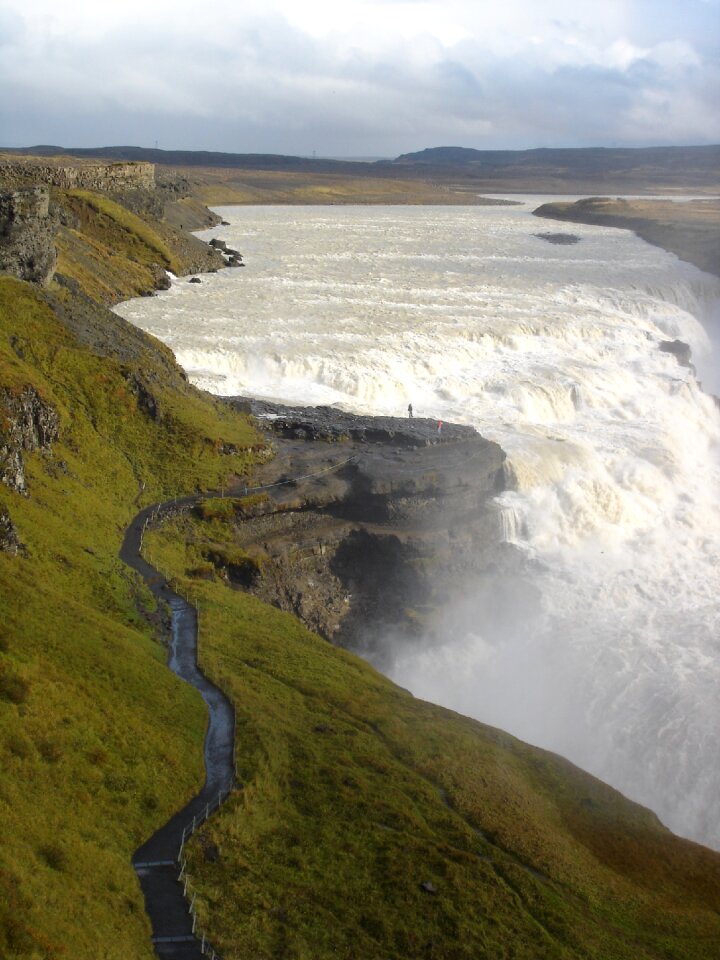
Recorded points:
156,861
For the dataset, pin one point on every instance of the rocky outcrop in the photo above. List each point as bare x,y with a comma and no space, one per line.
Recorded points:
9,542
27,232
147,401
559,239
329,424
181,208
364,523
27,423
106,177
233,258
680,350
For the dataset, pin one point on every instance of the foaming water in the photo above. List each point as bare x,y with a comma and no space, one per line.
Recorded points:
615,450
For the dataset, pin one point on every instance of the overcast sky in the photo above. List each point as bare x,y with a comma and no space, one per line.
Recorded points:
359,77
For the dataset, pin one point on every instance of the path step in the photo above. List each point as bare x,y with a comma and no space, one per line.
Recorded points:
179,951
189,939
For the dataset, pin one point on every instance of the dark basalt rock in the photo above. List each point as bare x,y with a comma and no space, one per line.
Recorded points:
559,238
330,424
29,423
234,258
27,234
365,524
194,280
9,542
680,350
218,244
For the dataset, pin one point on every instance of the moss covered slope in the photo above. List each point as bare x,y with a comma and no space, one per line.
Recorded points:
99,743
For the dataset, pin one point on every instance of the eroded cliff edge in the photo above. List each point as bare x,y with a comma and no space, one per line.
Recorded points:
361,526
27,234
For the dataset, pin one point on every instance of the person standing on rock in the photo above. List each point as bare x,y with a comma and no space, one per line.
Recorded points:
410,413
439,427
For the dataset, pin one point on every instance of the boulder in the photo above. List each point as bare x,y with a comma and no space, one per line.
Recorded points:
162,280
680,350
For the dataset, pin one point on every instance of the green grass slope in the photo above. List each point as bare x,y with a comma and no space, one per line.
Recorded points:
99,743
355,794
113,254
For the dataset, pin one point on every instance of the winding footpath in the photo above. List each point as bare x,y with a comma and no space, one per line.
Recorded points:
159,862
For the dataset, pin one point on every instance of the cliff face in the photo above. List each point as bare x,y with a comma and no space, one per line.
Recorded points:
107,226
27,232
104,177
389,515
27,423
9,542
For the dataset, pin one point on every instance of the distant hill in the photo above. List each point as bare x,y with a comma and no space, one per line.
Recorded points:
603,166
581,160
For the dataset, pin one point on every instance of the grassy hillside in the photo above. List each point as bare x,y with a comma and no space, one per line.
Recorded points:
354,794
99,743
113,254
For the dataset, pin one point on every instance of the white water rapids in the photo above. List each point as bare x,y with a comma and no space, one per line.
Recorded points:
552,351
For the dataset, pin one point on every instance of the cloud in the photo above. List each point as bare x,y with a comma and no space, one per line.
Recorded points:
361,77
